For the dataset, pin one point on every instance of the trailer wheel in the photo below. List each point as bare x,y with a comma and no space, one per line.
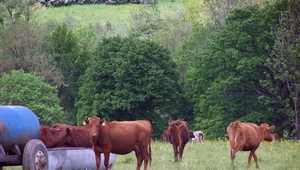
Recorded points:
35,156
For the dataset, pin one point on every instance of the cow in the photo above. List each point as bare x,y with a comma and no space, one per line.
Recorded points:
166,135
191,134
179,136
53,138
120,137
79,135
272,137
246,136
198,137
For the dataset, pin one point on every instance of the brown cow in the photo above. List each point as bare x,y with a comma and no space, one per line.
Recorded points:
247,137
166,135
120,138
179,136
79,135
53,138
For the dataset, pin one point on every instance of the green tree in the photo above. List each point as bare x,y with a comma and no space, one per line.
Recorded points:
30,90
282,80
224,74
71,56
130,79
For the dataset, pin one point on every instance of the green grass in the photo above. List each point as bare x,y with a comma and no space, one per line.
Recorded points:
215,155
90,14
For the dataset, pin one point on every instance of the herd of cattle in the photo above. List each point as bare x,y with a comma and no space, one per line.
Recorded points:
104,137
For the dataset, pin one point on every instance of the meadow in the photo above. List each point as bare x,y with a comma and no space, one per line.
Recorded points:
214,155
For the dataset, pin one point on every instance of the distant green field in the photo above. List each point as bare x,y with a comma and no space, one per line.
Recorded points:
90,14
214,155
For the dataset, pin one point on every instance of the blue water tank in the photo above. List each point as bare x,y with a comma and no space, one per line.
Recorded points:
18,125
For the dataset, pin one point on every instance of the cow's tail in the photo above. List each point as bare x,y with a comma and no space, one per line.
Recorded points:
150,156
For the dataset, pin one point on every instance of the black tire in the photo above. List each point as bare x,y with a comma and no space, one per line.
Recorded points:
35,156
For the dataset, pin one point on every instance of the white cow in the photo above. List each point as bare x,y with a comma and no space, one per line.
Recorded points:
199,136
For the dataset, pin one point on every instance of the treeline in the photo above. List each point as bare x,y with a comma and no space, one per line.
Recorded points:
212,63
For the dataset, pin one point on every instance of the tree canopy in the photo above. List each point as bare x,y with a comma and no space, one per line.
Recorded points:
30,90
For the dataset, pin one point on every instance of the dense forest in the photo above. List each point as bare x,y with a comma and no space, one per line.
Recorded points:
213,62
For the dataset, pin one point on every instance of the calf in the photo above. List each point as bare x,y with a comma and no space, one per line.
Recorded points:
166,135
53,138
79,135
178,137
247,137
120,138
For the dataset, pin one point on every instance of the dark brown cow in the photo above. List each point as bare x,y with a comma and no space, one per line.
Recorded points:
120,138
247,137
79,135
166,135
53,138
179,136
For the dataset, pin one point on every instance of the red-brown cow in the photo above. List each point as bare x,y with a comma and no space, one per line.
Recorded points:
79,135
53,138
247,137
166,135
120,138
179,136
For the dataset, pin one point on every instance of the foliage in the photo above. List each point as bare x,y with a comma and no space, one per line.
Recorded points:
129,79
224,74
30,90
282,79
71,56
145,22
22,46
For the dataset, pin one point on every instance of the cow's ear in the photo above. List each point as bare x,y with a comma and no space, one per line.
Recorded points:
270,128
85,121
102,122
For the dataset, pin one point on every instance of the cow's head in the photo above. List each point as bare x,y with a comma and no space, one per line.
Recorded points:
267,131
94,123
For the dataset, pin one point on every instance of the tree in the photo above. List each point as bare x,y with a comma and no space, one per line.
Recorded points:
129,79
223,75
30,90
71,56
22,46
283,78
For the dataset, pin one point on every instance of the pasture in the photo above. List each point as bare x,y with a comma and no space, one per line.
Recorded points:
214,155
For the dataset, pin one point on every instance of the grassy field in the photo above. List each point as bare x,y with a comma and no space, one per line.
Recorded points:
90,14
214,155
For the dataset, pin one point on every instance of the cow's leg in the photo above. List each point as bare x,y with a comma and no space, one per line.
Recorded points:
139,158
145,156
249,158
256,160
106,160
98,160
175,148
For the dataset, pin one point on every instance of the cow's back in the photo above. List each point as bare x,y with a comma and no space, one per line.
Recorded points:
126,135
